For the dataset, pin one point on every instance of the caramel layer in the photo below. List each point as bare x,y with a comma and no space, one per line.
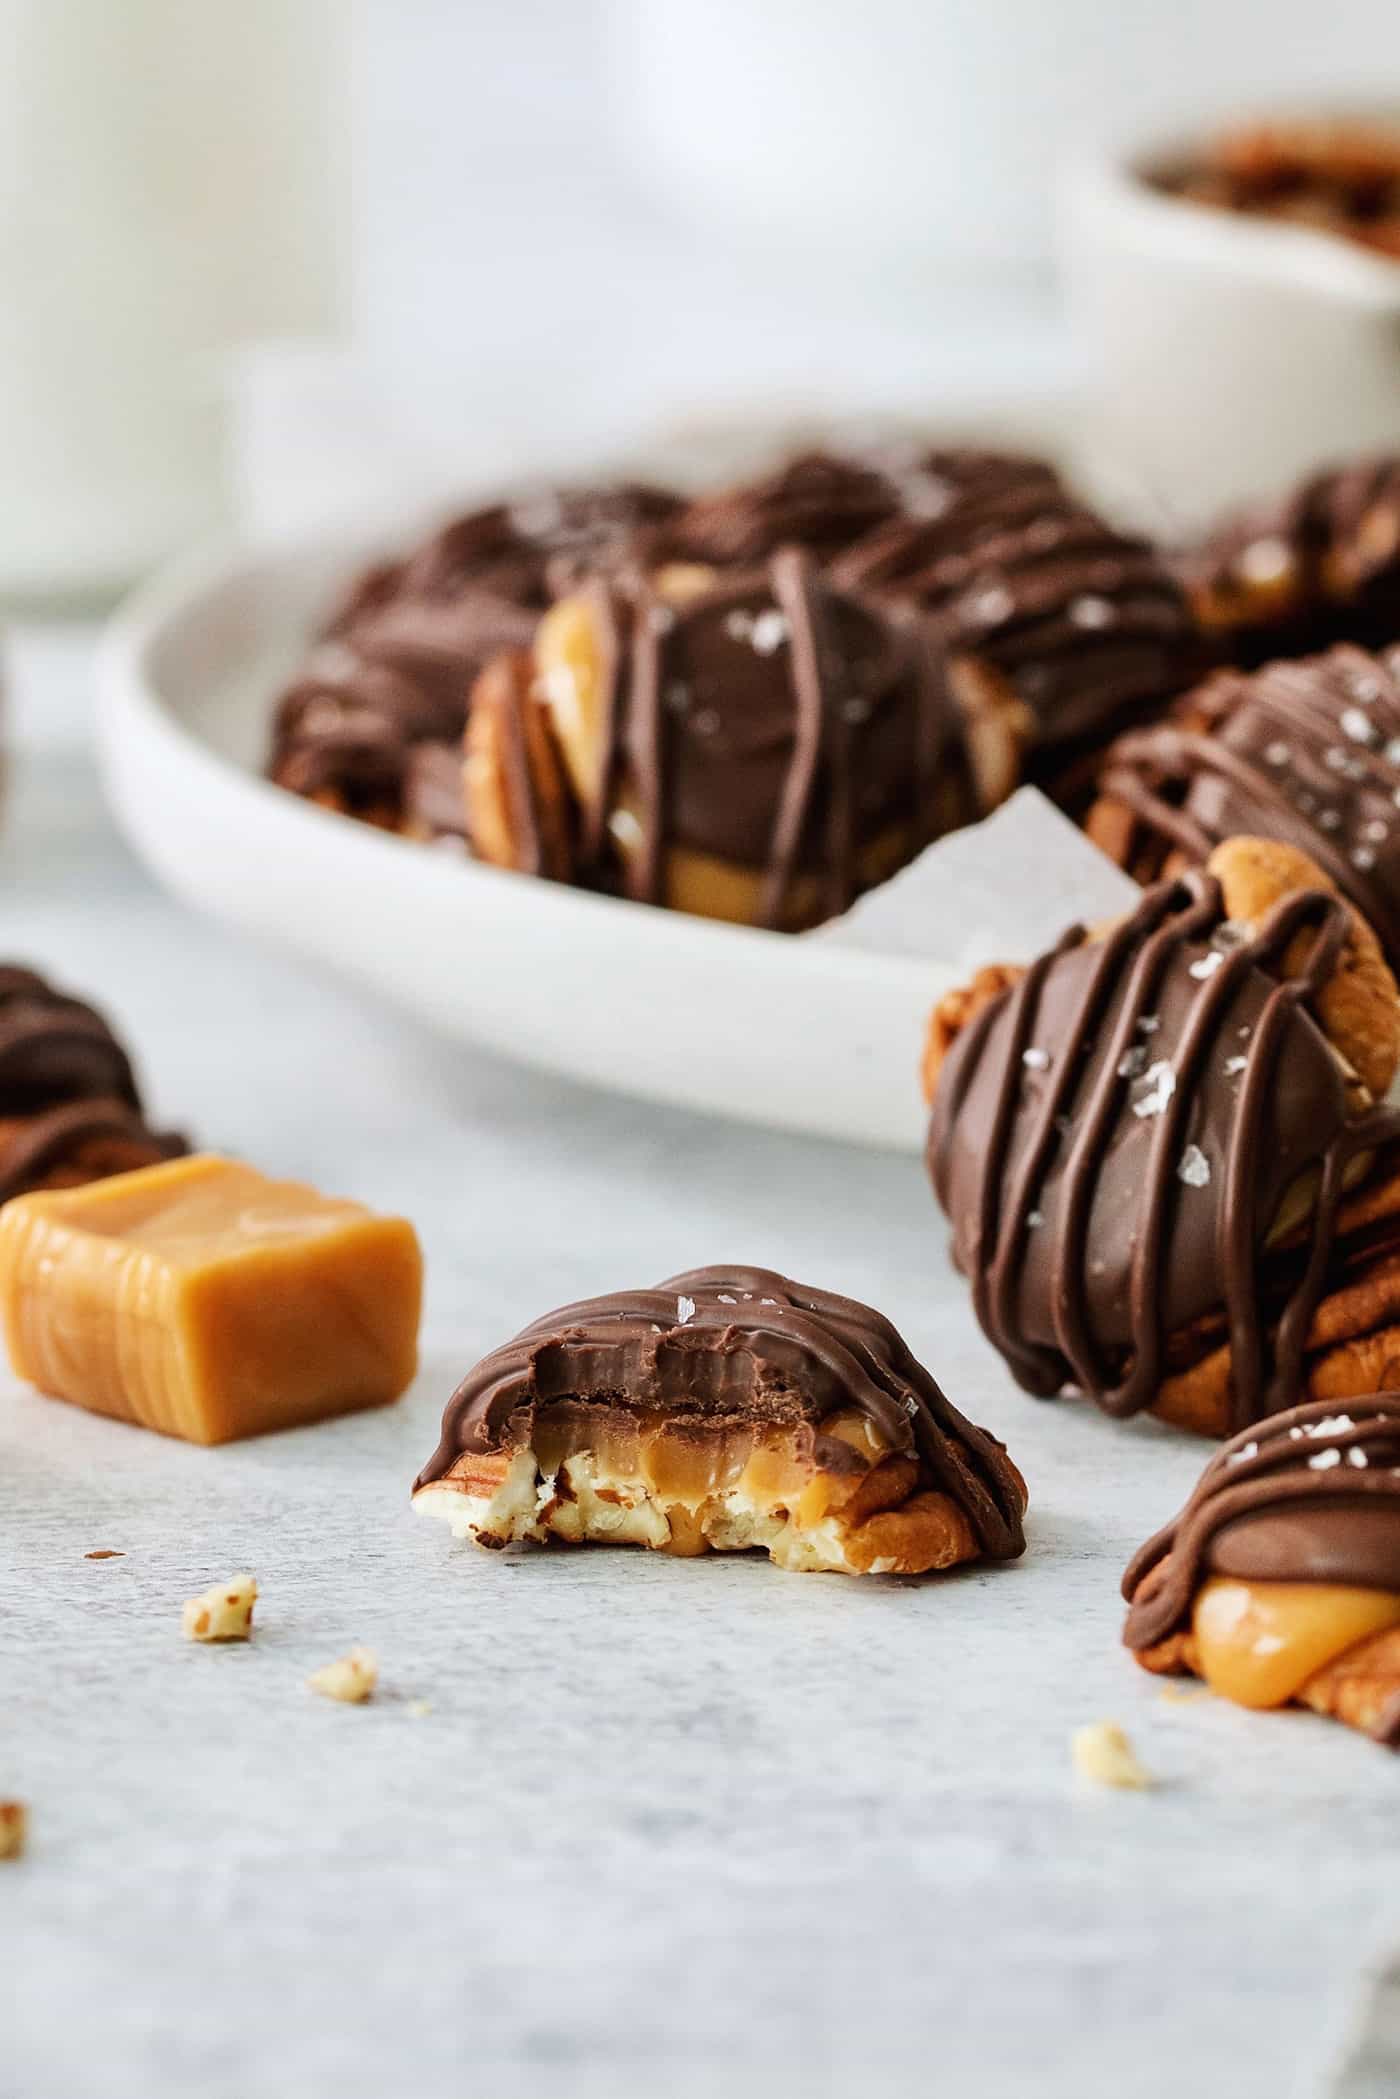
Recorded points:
1258,1643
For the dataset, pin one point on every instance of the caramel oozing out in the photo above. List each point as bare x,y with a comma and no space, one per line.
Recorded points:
607,1474
1258,1643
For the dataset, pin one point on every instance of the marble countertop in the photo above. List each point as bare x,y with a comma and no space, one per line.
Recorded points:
667,1826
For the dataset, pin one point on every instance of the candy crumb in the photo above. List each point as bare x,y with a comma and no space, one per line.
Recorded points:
1103,1753
351,1679
14,1828
1182,1694
222,1613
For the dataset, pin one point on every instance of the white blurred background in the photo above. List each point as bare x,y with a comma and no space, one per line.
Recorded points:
296,261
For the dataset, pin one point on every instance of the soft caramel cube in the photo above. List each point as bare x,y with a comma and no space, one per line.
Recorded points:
202,1299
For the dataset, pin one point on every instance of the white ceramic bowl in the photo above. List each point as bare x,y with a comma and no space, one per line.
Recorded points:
796,1033
1228,355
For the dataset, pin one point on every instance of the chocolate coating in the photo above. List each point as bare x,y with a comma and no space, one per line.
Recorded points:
1310,1495
778,724
828,500
1307,753
54,1048
1089,626
1112,1137
725,1344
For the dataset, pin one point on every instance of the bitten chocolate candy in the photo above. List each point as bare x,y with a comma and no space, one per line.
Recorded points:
725,1409
204,1300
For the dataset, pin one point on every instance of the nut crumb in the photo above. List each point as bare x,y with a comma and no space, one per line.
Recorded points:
1104,1754
14,1828
222,1613
351,1679
105,1554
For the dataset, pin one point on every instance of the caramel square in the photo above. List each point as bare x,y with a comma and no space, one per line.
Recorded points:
201,1299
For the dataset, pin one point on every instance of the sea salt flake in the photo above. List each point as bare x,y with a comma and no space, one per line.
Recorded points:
1330,1425
990,605
1376,831
1392,751
911,1406
1264,560
725,1298
1091,612
739,625
1133,1062
1359,1459
1364,686
1207,965
678,696
1036,1059
1357,726
1363,856
1034,1220
770,631
1330,821
1277,753
705,722
1160,1081
925,496
855,711
685,1309
1235,1065
1231,933
1324,1461
1193,1167
1245,1451
1148,1023
1336,758
625,828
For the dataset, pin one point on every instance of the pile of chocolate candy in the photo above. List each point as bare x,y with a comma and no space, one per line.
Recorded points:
756,703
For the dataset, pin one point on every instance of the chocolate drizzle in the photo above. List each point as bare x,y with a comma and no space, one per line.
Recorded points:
828,501
736,1344
1307,753
1311,1495
775,723
1113,1139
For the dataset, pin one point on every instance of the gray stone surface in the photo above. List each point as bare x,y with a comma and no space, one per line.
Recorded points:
668,1827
